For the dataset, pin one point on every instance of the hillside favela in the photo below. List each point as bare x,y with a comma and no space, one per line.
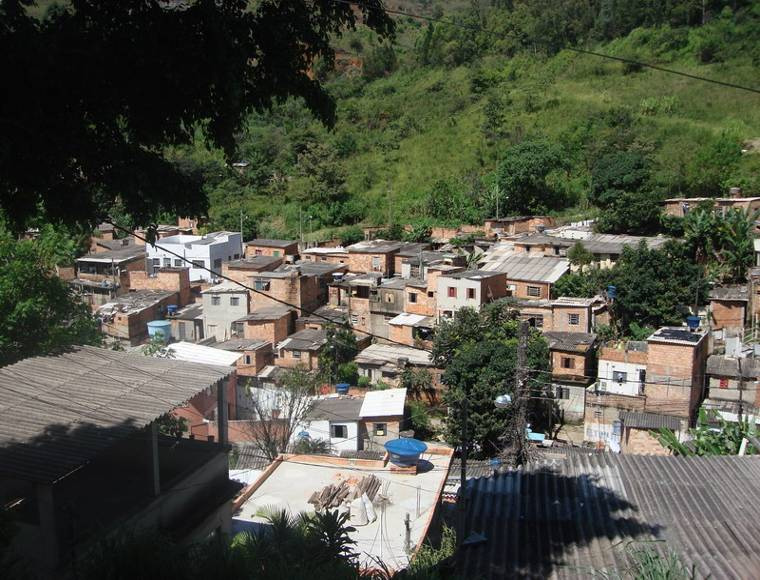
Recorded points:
380,289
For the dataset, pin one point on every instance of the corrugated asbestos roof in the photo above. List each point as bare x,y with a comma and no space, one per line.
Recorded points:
577,517
529,268
727,366
639,420
58,412
387,403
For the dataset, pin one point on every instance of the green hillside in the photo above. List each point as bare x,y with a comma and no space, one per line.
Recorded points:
431,125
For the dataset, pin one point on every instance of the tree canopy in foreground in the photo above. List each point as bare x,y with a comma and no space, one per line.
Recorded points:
95,91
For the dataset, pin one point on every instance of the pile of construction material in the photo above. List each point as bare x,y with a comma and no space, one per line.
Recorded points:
354,497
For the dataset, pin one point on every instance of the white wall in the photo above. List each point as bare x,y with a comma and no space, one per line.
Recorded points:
321,429
221,316
606,372
225,247
454,304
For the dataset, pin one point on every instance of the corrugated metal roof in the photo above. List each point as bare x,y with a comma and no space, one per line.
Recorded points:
206,355
58,412
306,339
533,268
387,403
407,319
640,420
576,518
336,409
731,292
391,353
269,243
572,341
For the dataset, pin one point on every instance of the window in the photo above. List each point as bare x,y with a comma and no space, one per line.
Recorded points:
431,294
723,383
412,297
447,313
471,293
212,329
563,393
389,298
218,264
556,250
354,319
574,319
261,285
258,252
167,262
248,359
339,431
324,259
538,321
181,330
619,376
199,264
381,429
296,354
534,291
452,292
156,261
568,362
177,263
276,253
237,328
236,256
375,263
234,301
216,300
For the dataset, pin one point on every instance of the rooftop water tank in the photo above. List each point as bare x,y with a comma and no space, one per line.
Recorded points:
692,322
171,310
611,292
342,388
161,328
405,452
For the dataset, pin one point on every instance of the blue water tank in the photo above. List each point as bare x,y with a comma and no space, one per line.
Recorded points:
160,327
611,292
405,452
692,322
171,310
342,388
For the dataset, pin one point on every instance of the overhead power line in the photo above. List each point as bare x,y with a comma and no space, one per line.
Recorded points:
577,50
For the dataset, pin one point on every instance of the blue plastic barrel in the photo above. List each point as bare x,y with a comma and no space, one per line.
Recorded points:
171,310
342,388
692,322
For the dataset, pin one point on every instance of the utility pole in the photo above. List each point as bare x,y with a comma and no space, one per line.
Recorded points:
241,226
462,501
300,226
741,390
521,373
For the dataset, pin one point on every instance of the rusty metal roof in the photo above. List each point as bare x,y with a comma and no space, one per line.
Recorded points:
579,517
58,412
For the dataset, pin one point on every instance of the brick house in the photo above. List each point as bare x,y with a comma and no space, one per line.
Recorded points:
408,251
638,432
376,256
273,248
680,206
187,323
330,255
578,314
728,309
386,302
323,316
287,284
355,293
254,354
470,288
245,270
532,277
301,349
268,323
411,267
664,375
421,294
573,370
168,279
411,329
104,275
510,226
386,362
381,418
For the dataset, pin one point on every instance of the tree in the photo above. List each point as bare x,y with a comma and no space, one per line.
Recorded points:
478,351
72,146
737,252
526,178
39,313
417,382
340,348
707,439
579,256
277,414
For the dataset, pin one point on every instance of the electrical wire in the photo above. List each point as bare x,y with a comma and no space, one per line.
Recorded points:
569,48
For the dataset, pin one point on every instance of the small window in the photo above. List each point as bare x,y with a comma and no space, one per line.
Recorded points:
471,293
389,298
563,393
261,285
339,431
237,328
574,319
236,256
216,300
156,261
296,354
199,264
167,262
354,319
324,259
381,429
234,301
248,359
218,264
276,253
724,383
431,294
447,313
258,252
452,292
376,263
619,376
412,297
177,263
534,291
538,321
568,362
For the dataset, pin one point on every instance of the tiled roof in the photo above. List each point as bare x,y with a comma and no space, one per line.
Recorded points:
59,412
579,517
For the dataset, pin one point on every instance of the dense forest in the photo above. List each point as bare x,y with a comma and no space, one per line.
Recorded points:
488,100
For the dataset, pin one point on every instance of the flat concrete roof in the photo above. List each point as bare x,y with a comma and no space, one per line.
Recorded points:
290,484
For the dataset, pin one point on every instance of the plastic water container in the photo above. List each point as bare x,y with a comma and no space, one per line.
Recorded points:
405,452
692,322
171,310
342,388
161,328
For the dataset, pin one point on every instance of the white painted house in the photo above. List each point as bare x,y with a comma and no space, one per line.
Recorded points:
622,377
334,419
207,251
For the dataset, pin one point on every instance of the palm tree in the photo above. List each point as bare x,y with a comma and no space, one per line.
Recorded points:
737,245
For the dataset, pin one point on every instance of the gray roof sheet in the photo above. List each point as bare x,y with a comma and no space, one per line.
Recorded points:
530,268
726,366
642,420
596,243
253,263
266,243
576,517
337,409
735,292
58,412
572,341
121,254
267,313
306,339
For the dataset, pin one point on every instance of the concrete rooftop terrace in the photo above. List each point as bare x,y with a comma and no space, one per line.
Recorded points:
290,482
